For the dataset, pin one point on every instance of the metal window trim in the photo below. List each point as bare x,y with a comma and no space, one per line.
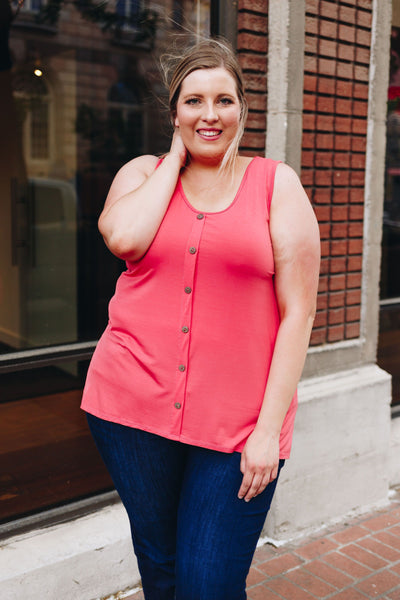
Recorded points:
43,357
224,20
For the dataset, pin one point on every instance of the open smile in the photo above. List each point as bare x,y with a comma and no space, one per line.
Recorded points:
209,134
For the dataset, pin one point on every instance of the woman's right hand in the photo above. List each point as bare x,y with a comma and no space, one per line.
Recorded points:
178,148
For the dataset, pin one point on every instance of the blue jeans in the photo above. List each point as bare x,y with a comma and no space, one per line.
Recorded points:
193,538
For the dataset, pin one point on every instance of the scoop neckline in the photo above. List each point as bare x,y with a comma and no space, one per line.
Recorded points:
216,212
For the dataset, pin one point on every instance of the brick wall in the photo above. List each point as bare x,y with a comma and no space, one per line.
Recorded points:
252,45
337,42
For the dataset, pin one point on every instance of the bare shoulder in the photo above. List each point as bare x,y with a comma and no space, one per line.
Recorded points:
131,176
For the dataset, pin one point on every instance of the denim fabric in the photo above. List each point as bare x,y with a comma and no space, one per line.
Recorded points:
193,538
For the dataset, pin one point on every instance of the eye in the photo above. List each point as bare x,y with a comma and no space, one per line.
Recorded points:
226,101
192,101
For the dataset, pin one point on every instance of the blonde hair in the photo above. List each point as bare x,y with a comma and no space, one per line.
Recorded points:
207,54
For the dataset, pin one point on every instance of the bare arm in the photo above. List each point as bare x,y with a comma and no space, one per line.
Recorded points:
295,239
137,201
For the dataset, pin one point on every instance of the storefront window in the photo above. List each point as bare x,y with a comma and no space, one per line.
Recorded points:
389,337
83,95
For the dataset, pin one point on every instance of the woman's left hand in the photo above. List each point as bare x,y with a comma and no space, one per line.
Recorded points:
259,463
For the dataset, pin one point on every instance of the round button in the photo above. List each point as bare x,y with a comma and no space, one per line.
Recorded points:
177,405
182,368
192,250
200,216
188,290
185,329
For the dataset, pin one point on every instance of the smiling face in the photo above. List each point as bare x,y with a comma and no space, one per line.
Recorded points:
208,113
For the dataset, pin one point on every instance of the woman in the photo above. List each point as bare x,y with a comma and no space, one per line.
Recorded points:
191,393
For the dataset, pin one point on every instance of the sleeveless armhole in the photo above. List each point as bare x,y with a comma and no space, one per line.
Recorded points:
271,166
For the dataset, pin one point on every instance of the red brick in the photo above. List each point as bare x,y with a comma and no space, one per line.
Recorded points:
324,123
329,574
328,10
325,247
355,246
311,584
353,313
326,66
326,85
324,266
342,160
310,83
253,62
280,564
355,229
361,73
358,144
343,124
255,83
357,195
256,120
380,522
307,158
350,534
363,38
322,301
356,212
336,299
342,142
335,333
362,55
339,230
318,336
308,140
286,589
347,565
324,160
360,90
337,282
364,18
341,177
353,297
311,25
354,263
336,316
347,14
257,101
339,247
387,538
322,196
346,52
327,48
345,70
352,330
253,139
339,213
358,161
307,177
325,231
253,5
323,178
338,264
340,195
357,178
353,280
252,22
327,29
323,284
379,583
343,106
259,592
325,104
311,44
324,141
323,212
346,33
255,576
344,88
310,63
349,594
309,102
257,43
321,318
390,554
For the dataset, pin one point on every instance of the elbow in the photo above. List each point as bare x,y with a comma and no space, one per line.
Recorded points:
121,244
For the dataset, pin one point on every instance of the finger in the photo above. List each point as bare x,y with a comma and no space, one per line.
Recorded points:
254,487
246,483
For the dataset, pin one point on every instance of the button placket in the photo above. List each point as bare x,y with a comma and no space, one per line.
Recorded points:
188,294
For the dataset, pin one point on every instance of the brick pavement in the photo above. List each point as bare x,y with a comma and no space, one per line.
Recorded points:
353,560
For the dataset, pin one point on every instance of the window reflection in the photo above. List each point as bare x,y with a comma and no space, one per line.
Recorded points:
389,337
82,97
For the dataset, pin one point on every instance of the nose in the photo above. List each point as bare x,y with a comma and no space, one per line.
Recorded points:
210,113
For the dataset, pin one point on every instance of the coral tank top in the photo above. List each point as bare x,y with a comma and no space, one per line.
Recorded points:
192,325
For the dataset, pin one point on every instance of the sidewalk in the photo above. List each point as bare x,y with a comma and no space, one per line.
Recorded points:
354,560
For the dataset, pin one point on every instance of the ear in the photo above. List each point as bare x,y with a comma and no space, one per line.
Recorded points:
176,122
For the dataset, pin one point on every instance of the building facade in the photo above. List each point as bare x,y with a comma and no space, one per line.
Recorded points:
81,94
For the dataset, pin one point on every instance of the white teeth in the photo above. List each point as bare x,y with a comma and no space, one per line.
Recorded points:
209,133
